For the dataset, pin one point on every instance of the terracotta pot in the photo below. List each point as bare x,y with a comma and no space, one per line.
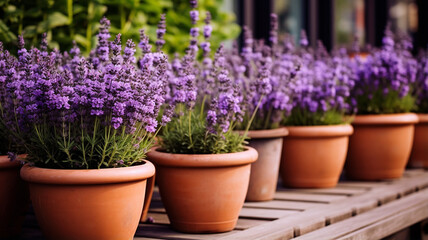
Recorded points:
14,198
419,155
88,204
203,193
264,171
380,146
313,156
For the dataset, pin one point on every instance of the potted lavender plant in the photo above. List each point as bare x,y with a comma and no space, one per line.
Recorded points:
419,155
381,144
14,196
264,75
86,125
314,152
202,165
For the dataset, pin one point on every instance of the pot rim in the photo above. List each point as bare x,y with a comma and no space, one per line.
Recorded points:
87,176
267,133
321,130
6,163
423,117
386,119
247,156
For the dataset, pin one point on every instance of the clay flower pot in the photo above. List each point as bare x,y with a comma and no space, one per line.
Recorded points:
419,155
203,193
313,156
88,204
380,146
264,171
14,198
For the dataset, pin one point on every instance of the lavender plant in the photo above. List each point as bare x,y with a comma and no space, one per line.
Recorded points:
74,112
265,75
8,143
206,100
321,88
421,84
384,79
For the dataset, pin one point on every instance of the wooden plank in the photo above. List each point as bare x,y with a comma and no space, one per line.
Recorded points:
165,232
379,222
279,228
304,197
290,205
267,214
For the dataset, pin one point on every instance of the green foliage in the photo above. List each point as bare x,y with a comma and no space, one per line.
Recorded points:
299,117
188,134
73,147
68,20
385,103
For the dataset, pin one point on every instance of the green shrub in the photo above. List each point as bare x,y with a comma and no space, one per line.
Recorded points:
68,20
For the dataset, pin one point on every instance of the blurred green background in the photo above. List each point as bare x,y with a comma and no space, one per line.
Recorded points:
68,20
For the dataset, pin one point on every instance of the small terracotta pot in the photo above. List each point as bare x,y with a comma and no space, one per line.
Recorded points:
380,146
14,198
88,204
203,193
264,171
313,156
419,155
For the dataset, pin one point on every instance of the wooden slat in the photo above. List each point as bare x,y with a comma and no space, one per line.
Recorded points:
357,184
344,191
266,214
290,205
158,218
243,223
379,222
165,232
304,197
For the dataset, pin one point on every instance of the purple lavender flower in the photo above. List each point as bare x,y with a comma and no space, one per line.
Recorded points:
303,39
103,36
160,33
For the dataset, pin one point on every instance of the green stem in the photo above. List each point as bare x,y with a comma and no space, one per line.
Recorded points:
94,134
83,143
267,119
252,117
45,148
190,129
202,107
106,142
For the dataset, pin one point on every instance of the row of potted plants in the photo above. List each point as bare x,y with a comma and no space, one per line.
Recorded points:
86,124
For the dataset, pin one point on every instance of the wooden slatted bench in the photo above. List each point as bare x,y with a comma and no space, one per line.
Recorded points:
352,210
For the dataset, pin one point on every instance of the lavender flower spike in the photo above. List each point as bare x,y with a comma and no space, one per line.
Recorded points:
161,32
103,36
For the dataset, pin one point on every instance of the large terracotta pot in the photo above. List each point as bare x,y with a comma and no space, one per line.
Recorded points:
14,198
380,146
203,193
88,204
419,155
264,171
313,156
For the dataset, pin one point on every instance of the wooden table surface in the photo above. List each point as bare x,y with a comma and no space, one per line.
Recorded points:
352,210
